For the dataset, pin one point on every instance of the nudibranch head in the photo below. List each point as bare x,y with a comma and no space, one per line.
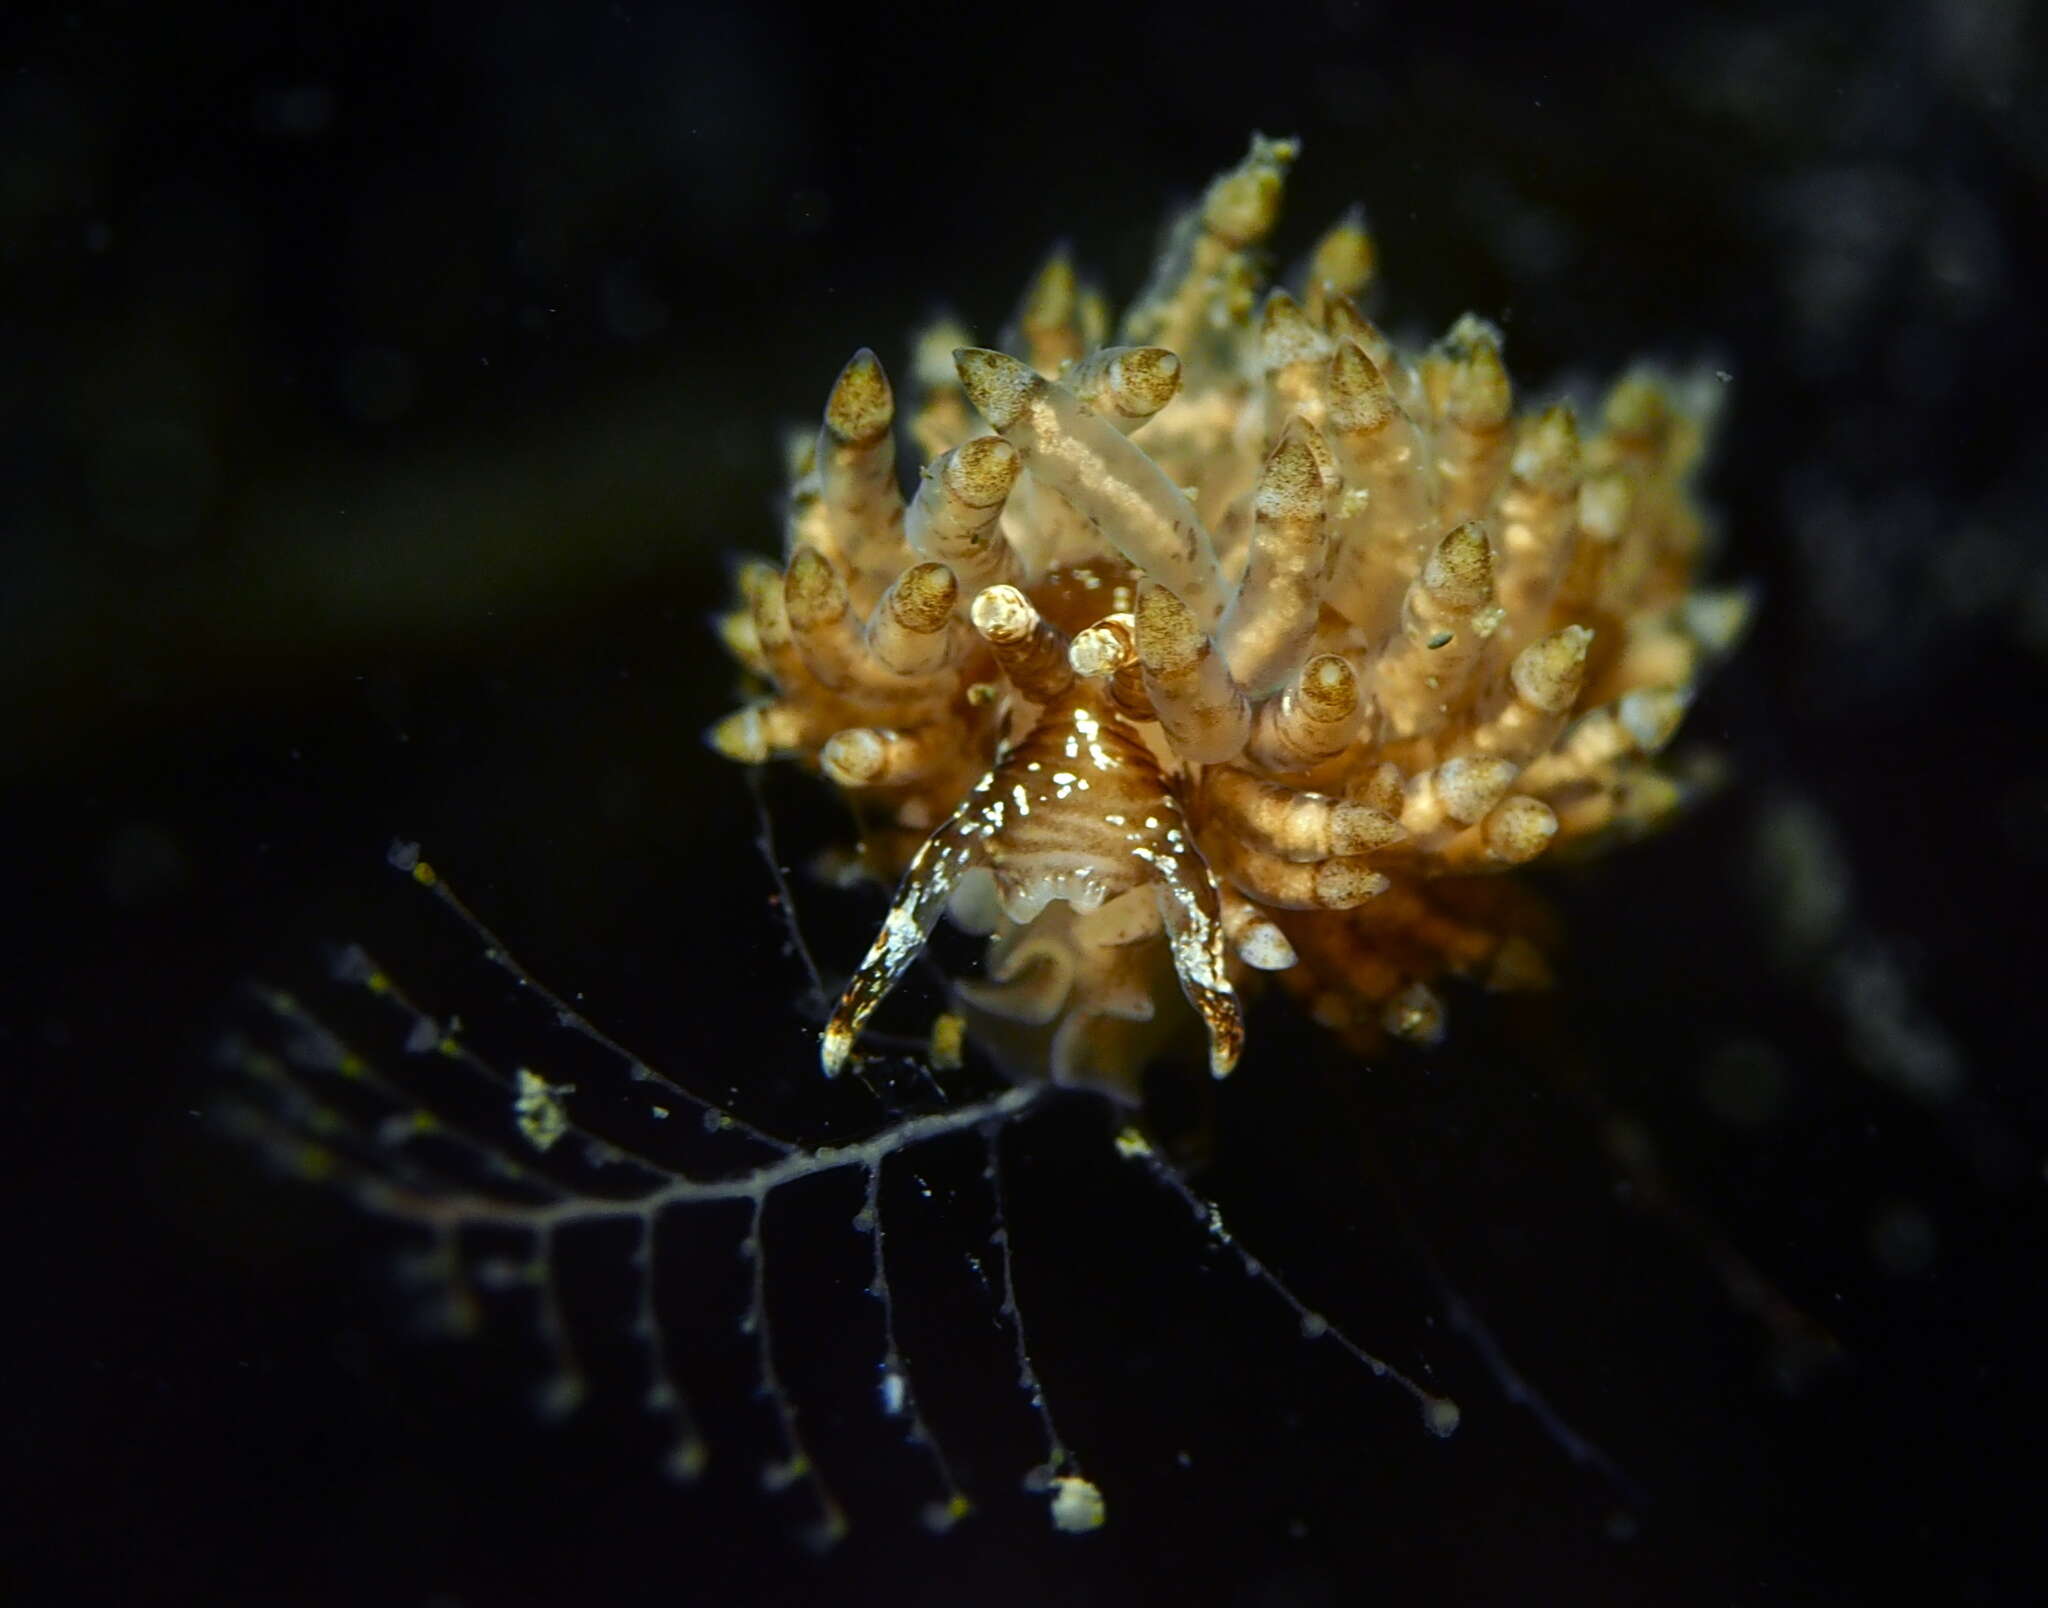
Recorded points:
1246,642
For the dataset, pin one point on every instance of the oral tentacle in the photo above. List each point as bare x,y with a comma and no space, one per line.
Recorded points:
946,856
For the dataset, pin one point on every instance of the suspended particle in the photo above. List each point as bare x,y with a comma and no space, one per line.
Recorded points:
537,1104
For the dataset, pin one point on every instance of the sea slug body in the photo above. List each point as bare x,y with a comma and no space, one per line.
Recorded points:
1242,641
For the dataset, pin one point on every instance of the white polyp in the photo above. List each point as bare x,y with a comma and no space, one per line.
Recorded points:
1077,1505
1264,947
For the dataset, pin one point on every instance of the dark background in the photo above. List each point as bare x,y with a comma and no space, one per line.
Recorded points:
383,393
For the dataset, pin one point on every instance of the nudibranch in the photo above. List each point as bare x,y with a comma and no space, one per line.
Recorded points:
1245,640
